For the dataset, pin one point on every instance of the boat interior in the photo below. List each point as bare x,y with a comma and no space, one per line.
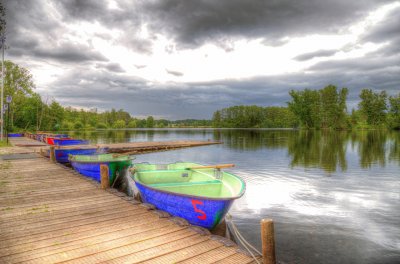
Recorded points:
180,178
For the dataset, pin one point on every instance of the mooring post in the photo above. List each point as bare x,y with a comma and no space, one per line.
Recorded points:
105,182
52,154
268,241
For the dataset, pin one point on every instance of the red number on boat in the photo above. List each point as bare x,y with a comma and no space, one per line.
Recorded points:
203,215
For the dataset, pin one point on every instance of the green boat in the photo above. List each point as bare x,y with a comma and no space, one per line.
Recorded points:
200,194
89,165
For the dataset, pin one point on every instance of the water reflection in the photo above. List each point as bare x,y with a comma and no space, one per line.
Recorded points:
316,149
372,148
326,150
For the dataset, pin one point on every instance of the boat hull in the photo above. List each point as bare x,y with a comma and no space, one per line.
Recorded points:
68,142
15,135
202,212
63,154
92,169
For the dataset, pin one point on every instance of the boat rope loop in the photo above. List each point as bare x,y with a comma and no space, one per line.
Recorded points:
250,248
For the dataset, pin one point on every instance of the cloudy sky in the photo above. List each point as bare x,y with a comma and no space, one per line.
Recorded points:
180,59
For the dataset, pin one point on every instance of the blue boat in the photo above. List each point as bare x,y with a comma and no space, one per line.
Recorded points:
200,194
15,135
89,165
68,142
62,154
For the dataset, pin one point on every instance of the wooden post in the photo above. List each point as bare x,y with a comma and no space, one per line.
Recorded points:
268,241
105,182
52,154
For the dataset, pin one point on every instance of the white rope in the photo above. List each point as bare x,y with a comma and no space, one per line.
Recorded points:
241,239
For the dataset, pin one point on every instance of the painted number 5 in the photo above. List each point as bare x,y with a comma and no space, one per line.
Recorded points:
203,215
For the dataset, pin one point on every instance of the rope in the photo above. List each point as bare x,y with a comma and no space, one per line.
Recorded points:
241,239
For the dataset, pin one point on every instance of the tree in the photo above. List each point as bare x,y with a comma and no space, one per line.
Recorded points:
119,124
394,111
216,120
56,115
333,107
306,106
150,122
132,124
373,106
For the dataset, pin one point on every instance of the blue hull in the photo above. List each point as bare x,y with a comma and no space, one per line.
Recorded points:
92,170
202,212
15,135
68,142
62,154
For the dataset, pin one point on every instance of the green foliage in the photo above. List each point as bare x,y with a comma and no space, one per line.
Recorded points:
101,126
373,106
78,125
279,117
306,106
394,112
119,124
254,116
132,124
150,122
67,126
325,108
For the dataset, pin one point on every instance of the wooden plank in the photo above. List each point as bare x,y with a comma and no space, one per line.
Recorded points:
239,259
185,253
21,232
122,245
47,252
81,230
212,256
171,245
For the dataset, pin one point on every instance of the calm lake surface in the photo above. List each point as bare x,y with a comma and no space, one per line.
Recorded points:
334,196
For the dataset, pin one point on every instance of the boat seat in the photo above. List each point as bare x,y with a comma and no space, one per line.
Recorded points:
176,184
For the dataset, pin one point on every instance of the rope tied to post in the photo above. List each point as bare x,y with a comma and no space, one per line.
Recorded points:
250,248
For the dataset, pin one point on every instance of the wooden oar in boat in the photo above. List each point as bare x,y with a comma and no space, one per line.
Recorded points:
116,155
217,166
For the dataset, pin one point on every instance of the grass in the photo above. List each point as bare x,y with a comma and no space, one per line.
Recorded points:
4,144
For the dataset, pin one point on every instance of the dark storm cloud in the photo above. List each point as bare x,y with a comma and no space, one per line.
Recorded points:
387,31
84,9
113,67
315,54
193,23
33,32
69,53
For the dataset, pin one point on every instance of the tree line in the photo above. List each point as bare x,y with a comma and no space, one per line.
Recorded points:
317,109
311,109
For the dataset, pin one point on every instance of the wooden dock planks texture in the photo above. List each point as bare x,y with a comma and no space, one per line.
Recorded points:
50,214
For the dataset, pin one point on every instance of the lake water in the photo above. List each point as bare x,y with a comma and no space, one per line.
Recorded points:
334,196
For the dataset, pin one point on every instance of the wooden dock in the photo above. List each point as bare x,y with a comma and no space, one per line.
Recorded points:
142,147
27,145
51,214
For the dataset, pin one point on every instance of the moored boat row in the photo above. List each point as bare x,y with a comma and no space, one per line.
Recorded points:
200,194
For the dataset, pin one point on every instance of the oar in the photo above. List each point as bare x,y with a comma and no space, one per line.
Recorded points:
116,155
217,166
